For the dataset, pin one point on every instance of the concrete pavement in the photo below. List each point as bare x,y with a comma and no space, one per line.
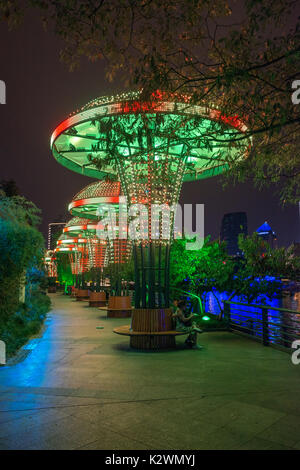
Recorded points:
83,388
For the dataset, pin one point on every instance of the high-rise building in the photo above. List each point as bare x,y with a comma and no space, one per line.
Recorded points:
54,230
266,233
233,224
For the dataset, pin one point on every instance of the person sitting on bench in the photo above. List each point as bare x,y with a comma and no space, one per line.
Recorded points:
184,323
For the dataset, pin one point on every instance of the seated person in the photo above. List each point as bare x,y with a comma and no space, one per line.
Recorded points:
174,308
184,323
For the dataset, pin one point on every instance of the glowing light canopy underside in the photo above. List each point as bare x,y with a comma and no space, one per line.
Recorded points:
79,226
85,249
199,135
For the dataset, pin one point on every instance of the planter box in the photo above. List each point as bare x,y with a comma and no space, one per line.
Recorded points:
119,307
82,294
97,299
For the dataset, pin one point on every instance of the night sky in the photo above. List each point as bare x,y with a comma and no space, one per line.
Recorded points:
41,92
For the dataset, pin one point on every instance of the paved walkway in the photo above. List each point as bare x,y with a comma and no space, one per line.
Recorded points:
83,388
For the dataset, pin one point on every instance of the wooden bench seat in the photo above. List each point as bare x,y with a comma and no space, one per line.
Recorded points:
153,340
117,309
125,330
118,306
152,329
117,312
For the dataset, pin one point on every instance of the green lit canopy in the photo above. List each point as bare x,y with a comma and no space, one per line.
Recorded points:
164,125
78,226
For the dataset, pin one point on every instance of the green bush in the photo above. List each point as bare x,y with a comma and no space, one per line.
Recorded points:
21,263
25,322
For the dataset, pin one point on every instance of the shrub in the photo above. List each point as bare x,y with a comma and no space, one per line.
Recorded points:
21,259
25,322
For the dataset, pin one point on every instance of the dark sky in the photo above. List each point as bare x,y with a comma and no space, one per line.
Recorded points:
41,92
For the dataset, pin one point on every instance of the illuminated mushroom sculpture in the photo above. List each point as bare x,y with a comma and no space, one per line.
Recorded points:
153,145
51,270
76,249
91,201
94,255
87,204
50,265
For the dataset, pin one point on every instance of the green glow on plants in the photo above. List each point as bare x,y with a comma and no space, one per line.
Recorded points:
169,125
205,318
152,147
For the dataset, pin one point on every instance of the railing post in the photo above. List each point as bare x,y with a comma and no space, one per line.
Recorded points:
227,313
265,326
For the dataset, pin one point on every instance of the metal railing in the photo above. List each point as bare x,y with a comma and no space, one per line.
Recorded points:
272,326
195,302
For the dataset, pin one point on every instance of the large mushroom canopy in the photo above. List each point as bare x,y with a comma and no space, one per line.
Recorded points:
125,130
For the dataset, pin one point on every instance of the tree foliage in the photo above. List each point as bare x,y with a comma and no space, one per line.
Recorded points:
240,56
120,274
9,188
64,272
21,248
211,269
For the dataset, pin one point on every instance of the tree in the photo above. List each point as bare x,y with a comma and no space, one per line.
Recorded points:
9,187
120,275
239,56
64,272
262,260
19,210
21,248
211,269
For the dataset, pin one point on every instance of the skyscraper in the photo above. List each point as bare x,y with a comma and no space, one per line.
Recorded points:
54,230
232,225
266,233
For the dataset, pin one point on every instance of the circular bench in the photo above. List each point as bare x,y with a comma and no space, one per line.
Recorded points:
150,329
118,307
97,299
82,294
152,340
